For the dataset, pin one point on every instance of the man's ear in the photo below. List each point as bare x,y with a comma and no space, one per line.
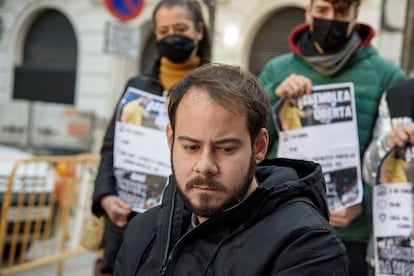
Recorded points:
170,136
260,145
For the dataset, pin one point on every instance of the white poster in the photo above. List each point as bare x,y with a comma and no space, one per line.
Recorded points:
141,153
322,127
393,216
394,251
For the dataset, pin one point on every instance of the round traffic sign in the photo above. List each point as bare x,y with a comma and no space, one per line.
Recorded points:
125,10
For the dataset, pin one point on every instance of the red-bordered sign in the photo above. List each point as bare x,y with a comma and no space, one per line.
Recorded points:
125,10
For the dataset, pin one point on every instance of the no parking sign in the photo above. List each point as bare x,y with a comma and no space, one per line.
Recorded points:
125,10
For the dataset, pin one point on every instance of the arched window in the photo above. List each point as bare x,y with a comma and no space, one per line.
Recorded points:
272,38
48,70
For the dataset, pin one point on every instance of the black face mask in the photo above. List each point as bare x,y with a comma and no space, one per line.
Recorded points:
177,48
331,35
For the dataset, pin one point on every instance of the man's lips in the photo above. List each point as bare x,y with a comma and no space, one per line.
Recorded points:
204,188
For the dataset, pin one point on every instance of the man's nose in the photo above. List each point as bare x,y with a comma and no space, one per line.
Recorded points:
206,163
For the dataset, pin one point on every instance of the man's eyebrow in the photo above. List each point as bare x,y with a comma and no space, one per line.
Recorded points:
218,142
187,138
228,140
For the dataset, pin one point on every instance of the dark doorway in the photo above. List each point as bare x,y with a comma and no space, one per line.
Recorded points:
48,71
272,38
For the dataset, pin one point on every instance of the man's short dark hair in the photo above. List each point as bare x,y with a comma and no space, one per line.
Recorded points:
230,86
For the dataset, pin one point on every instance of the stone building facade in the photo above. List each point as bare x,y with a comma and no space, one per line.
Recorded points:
82,51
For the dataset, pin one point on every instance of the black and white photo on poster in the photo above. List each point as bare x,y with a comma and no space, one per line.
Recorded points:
395,256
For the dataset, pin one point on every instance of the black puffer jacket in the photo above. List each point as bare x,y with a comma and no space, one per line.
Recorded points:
279,229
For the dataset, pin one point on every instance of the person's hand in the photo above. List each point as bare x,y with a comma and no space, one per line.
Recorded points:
294,86
116,209
342,218
400,135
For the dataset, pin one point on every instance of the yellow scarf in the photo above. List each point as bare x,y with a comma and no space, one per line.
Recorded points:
171,73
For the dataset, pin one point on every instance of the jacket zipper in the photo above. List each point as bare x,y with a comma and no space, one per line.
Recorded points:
167,260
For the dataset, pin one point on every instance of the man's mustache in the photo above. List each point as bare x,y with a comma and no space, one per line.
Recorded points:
202,181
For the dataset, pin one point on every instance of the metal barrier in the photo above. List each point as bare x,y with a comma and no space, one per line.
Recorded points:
43,209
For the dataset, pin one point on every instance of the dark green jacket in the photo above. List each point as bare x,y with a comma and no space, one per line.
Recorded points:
371,75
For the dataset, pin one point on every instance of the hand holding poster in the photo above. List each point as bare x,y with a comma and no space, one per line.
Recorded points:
322,127
141,154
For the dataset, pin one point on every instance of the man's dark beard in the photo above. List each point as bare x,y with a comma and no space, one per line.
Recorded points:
204,210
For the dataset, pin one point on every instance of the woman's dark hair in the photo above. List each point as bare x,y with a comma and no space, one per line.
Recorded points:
343,3
195,11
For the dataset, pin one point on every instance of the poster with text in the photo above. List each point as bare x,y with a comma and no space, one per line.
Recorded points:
322,127
141,153
393,213
393,244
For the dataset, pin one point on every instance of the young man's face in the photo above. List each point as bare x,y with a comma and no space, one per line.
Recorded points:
212,156
325,10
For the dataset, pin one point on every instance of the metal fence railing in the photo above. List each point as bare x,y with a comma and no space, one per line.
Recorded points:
43,207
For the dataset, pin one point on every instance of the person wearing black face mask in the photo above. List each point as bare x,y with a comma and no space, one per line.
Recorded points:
332,47
183,44
176,48
329,35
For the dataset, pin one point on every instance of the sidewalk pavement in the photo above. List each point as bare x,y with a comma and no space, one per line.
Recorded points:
81,265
